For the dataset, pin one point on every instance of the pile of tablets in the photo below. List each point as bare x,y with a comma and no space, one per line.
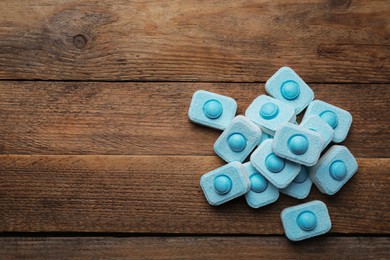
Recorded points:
284,156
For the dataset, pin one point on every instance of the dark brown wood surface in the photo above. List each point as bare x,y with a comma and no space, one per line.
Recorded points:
151,118
195,247
161,194
232,40
99,160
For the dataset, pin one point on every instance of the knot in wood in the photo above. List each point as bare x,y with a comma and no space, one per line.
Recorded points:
80,41
340,3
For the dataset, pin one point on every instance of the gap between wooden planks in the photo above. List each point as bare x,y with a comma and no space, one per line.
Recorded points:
151,118
161,194
232,40
195,247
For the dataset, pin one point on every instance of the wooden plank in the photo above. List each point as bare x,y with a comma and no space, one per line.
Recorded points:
161,194
151,118
194,248
229,41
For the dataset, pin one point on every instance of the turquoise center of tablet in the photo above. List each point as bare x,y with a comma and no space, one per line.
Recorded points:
237,142
269,111
330,118
290,90
222,184
213,109
302,176
307,220
258,183
274,163
298,144
338,170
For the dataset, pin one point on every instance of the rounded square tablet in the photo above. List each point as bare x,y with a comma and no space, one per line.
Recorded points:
278,171
238,140
300,187
225,183
211,109
334,169
297,144
306,220
315,123
268,113
262,192
339,119
286,86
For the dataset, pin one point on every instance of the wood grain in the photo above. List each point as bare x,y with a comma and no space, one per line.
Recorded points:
229,41
151,118
161,194
194,248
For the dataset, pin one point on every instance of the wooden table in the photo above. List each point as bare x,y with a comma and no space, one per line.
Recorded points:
99,160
